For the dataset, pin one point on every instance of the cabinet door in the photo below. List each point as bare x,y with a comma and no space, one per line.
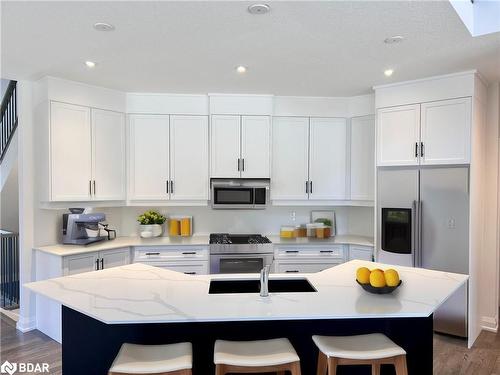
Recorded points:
284,267
328,158
108,141
361,253
446,132
290,154
225,146
255,146
189,157
70,152
398,135
80,263
362,158
149,157
114,258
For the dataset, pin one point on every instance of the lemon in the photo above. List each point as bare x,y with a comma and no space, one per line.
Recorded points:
377,279
363,275
391,277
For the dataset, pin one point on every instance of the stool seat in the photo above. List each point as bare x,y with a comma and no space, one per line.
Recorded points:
152,359
363,347
257,353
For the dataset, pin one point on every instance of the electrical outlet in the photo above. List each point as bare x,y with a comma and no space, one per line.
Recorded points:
451,223
293,215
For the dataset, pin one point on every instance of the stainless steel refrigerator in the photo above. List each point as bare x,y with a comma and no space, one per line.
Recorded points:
423,221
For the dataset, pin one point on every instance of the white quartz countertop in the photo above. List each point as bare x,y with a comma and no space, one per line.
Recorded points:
195,240
140,293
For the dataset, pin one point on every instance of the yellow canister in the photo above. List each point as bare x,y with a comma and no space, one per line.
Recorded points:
174,229
185,226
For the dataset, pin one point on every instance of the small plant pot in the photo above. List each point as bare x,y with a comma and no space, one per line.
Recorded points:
150,230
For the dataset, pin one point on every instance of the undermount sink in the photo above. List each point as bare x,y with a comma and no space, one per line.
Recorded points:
223,286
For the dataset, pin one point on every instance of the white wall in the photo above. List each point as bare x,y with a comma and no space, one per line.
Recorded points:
9,197
489,253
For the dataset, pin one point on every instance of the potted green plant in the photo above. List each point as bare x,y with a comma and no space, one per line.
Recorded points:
151,224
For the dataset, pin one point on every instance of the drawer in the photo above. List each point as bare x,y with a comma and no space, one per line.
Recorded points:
327,252
302,267
189,268
166,253
361,253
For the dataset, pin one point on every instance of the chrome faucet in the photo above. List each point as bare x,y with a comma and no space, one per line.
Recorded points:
264,281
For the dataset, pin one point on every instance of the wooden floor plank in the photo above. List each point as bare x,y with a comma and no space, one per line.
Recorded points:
451,356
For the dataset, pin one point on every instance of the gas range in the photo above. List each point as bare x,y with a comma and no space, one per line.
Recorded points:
225,243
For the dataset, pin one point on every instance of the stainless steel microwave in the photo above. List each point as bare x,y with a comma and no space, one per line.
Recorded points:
239,193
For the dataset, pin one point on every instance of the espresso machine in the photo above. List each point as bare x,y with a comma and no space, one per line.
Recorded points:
80,228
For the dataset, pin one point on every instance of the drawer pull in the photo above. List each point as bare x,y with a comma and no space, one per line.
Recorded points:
291,271
157,253
291,251
326,251
189,253
190,273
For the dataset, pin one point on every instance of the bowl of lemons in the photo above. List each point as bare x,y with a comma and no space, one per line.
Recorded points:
378,281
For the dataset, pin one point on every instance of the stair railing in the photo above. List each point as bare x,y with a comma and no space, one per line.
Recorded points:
8,117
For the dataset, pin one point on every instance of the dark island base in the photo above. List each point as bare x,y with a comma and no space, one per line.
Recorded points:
89,346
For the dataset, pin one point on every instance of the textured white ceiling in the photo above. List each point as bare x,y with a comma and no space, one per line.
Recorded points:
300,48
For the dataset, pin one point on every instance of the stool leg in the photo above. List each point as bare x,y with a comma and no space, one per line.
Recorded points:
375,368
220,370
295,368
322,364
400,364
332,366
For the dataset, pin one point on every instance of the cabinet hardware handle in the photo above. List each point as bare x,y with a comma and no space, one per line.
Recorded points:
292,271
190,273
326,251
238,164
307,187
90,187
97,264
243,165
171,186
94,186
291,251
166,183
157,253
422,149
310,187
189,252
102,263
416,149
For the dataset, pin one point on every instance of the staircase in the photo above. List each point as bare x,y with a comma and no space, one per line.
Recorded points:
8,116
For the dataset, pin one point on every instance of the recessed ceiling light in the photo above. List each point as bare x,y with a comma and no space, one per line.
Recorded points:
103,26
394,39
388,72
90,64
241,69
259,8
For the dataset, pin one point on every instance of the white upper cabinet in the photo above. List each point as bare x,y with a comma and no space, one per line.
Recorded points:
108,144
398,135
189,157
327,158
445,132
290,158
362,158
149,157
70,152
255,146
225,142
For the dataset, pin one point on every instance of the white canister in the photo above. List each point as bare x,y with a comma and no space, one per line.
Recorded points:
150,230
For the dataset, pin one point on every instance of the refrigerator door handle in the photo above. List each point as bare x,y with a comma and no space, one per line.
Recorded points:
414,228
420,231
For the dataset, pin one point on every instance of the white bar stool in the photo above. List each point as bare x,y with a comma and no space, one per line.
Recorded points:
276,355
171,359
373,349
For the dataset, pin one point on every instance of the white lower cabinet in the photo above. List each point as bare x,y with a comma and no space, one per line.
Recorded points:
307,258
360,252
88,262
191,260
292,267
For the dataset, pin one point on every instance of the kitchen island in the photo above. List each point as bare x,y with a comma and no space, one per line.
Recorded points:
148,305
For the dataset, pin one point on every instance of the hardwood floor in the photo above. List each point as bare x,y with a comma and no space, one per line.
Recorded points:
451,356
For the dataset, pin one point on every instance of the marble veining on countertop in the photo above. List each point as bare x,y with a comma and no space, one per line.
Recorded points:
195,240
139,293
